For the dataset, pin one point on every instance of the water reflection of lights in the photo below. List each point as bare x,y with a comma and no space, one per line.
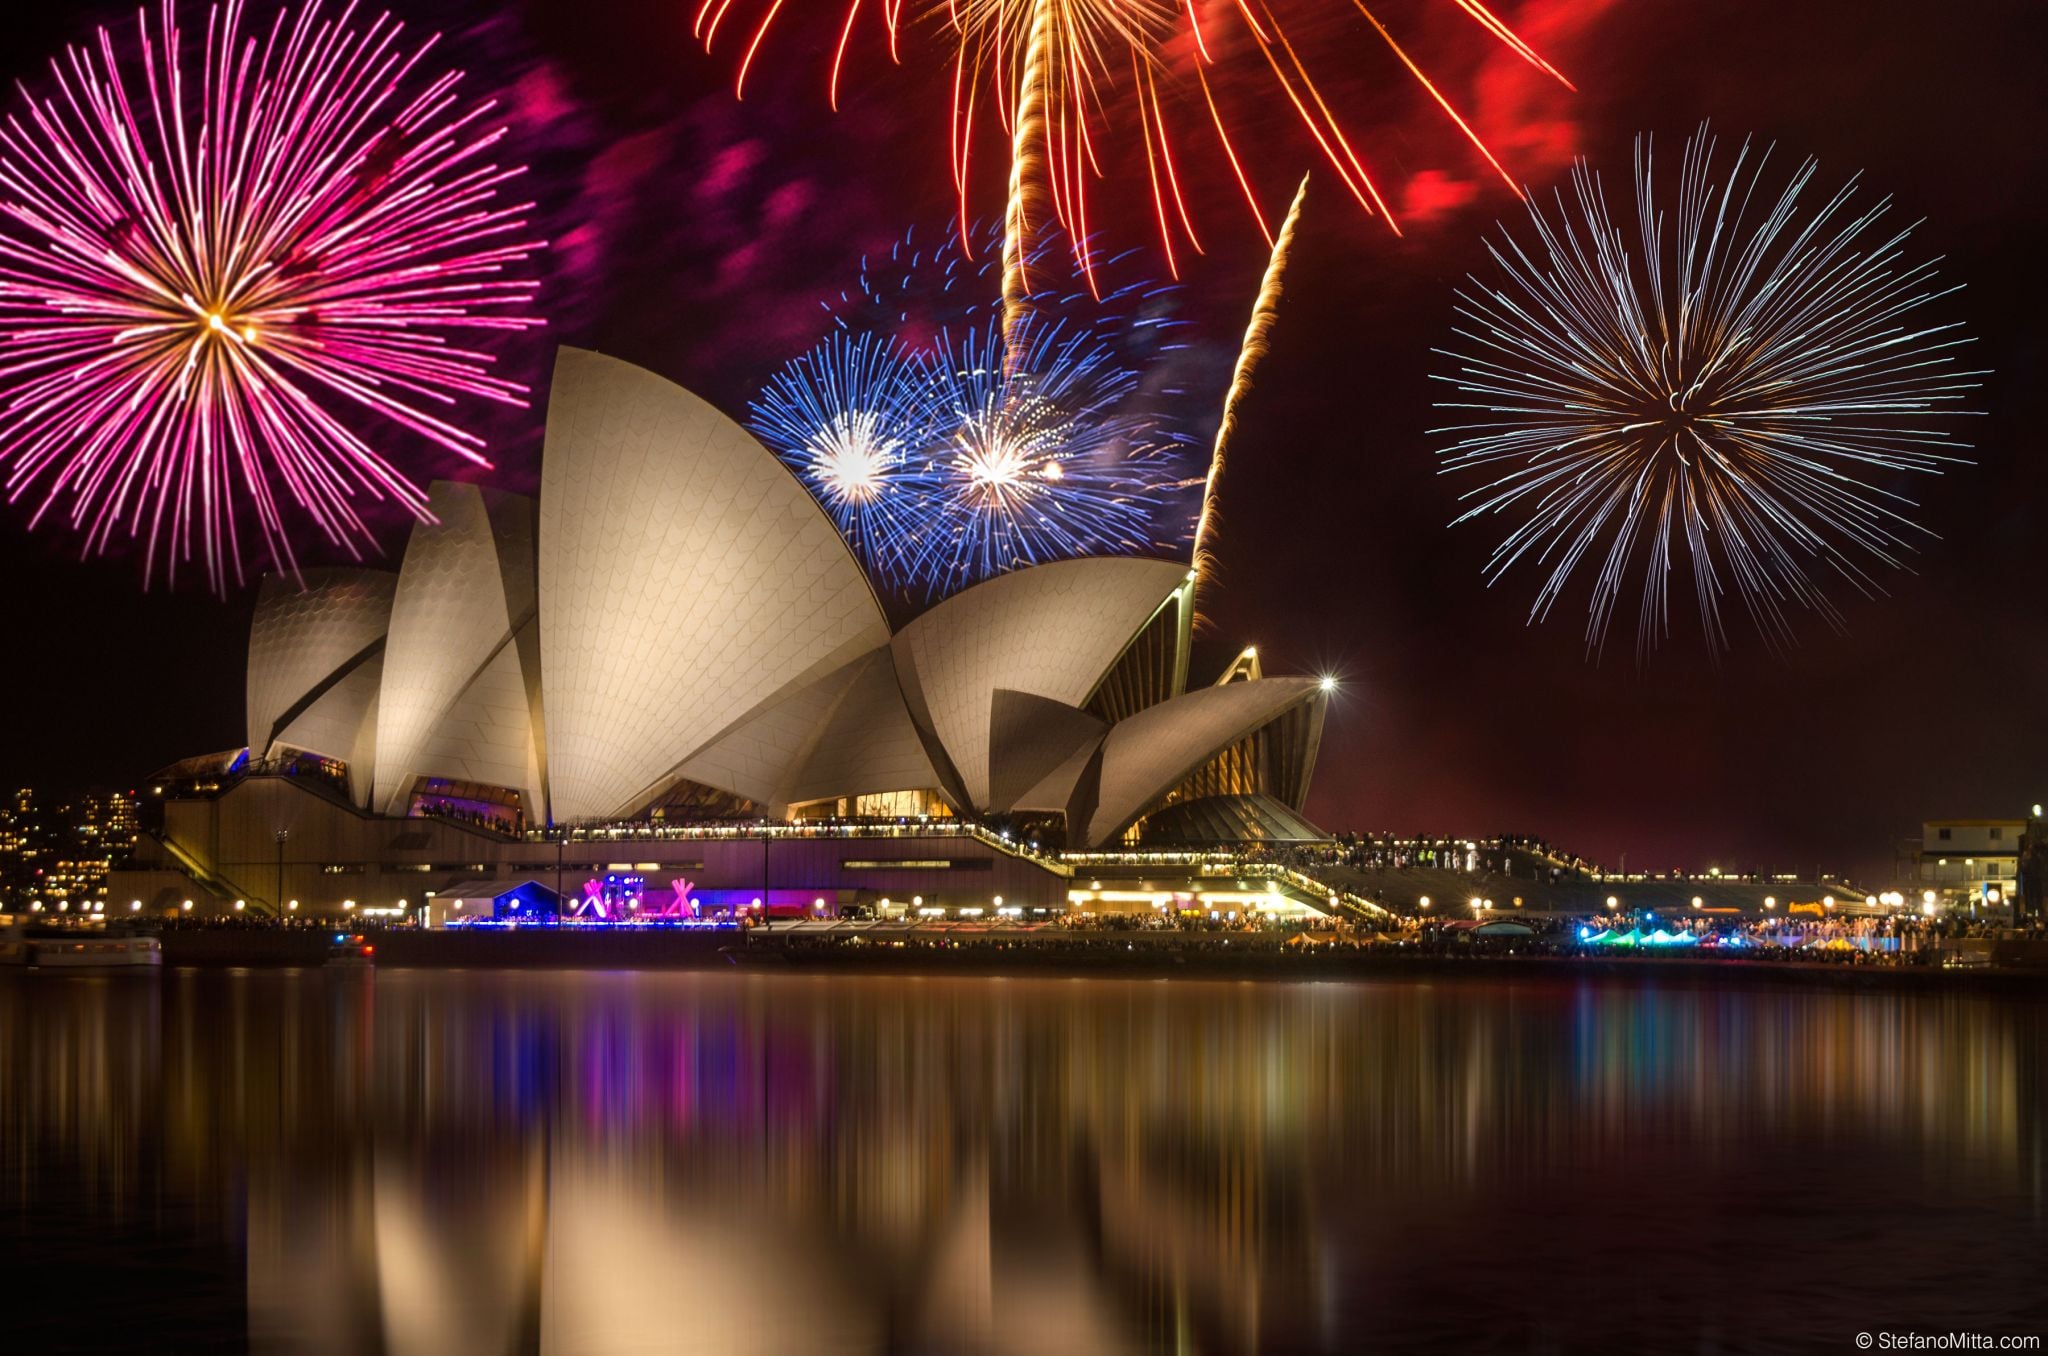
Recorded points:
426,1162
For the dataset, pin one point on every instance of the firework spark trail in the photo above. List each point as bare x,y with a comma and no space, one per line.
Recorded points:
929,281
201,270
1028,131
1061,71
1745,398
1258,336
1042,456
851,417
945,455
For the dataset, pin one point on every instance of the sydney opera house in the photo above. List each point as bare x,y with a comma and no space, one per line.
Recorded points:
670,670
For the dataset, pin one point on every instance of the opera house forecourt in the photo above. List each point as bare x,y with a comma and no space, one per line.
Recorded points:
667,691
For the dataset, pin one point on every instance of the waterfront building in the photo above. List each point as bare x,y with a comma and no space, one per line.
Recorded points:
1970,865
667,685
59,852
19,847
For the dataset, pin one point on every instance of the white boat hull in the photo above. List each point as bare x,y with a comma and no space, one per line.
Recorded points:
97,953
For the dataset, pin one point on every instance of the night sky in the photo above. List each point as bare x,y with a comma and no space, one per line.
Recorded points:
695,236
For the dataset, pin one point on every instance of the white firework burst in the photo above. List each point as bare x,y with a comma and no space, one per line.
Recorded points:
1745,395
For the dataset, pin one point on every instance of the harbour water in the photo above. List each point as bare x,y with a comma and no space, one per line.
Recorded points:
476,1161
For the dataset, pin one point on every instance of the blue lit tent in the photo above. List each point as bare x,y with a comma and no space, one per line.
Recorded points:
1504,927
528,901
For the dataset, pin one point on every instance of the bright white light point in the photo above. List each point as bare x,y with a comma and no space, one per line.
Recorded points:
1327,683
852,457
999,467
1052,471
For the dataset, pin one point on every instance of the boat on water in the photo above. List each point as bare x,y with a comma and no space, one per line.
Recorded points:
80,950
97,953
350,949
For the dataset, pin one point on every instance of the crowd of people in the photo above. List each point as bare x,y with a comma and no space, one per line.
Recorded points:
1903,939
498,819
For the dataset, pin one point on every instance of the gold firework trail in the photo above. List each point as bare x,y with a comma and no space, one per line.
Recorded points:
1257,336
1025,135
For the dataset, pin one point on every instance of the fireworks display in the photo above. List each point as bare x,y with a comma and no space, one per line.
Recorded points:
1042,454
850,417
214,252
929,281
1745,393
1069,76
950,447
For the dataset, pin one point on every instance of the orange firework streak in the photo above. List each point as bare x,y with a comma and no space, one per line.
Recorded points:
1056,67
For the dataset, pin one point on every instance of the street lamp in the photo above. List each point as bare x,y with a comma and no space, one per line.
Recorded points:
277,900
561,842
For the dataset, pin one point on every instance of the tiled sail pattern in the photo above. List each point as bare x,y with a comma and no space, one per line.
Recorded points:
1050,631
304,639
687,580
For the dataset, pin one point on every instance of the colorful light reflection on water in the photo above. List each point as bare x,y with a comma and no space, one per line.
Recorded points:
447,1162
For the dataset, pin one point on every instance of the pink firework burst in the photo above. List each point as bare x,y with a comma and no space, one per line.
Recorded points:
207,265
